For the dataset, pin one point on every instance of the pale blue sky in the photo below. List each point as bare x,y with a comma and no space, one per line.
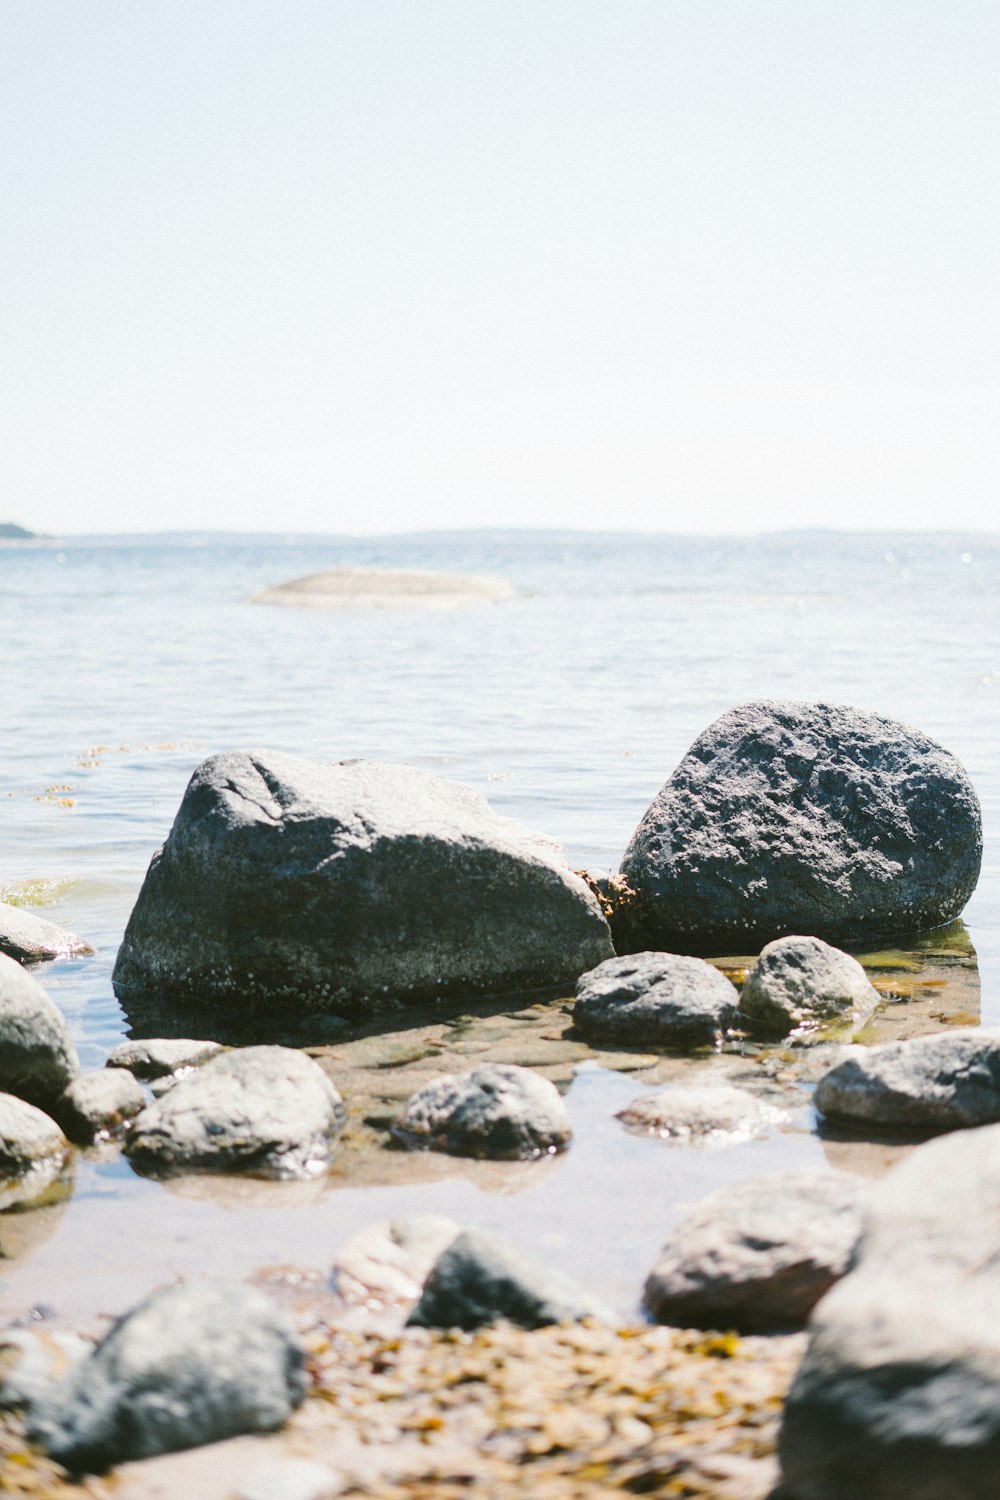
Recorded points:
380,264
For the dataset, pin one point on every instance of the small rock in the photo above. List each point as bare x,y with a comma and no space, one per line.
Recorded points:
33,1361
481,1279
290,1479
37,1056
655,999
192,1364
390,1261
758,1255
98,1103
713,1115
498,1110
30,939
802,981
160,1056
930,1083
33,1151
267,1111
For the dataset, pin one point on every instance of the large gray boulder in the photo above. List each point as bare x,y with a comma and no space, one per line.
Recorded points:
655,1000
37,1056
898,1396
802,981
927,1084
789,817
289,887
31,939
193,1364
499,1110
266,1111
480,1278
758,1255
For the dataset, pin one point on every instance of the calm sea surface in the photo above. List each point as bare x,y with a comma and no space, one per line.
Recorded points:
124,662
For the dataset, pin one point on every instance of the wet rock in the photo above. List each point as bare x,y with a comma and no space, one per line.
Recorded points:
802,981
267,1111
898,1396
98,1103
158,1057
193,1364
758,1255
498,1110
291,888
708,1115
389,1262
480,1278
30,939
655,1000
32,1151
789,817
929,1084
33,1360
37,1056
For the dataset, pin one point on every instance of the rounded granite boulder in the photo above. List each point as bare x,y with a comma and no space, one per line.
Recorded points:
655,1000
789,817
37,1055
801,982
499,1110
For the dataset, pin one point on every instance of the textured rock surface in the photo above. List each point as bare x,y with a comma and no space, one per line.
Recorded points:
481,1279
789,817
37,1057
33,1360
389,1262
706,1115
758,1255
291,885
499,1110
27,1136
97,1102
932,1083
191,1365
802,981
31,939
898,1397
654,1000
263,1110
386,588
160,1056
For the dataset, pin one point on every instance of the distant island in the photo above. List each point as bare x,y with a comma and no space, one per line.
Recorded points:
11,533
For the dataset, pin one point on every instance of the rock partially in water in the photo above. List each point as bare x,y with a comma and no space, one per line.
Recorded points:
706,1115
480,1279
802,981
386,588
98,1103
898,1396
789,817
289,888
193,1364
33,1151
267,1111
498,1110
31,939
655,1000
929,1084
37,1056
389,1262
158,1057
758,1255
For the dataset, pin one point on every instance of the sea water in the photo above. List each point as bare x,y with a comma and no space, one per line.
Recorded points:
125,661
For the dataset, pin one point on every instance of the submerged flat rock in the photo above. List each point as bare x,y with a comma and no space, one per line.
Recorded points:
386,588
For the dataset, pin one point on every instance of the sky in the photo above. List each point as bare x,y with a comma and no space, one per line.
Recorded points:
382,265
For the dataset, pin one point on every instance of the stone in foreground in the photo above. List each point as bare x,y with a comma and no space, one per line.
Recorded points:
706,1115
389,1262
37,1056
386,588
898,1397
193,1364
99,1103
290,888
158,1057
480,1279
758,1255
927,1084
802,981
499,1110
31,939
655,1000
789,817
266,1111
33,1151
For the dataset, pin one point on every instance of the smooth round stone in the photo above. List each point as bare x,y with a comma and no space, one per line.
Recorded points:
33,1151
655,1000
158,1057
927,1084
802,981
499,1110
37,1055
30,939
713,1115
98,1103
